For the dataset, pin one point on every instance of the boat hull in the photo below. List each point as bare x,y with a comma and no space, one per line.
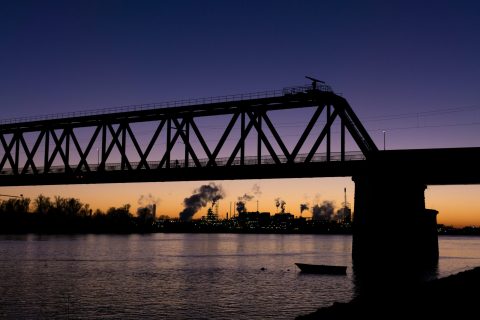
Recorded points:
322,269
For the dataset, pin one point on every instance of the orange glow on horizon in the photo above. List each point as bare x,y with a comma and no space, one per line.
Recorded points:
457,205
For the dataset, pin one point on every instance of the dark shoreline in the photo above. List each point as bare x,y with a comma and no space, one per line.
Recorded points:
453,296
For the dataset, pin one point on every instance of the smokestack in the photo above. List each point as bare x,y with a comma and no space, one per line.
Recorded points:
149,203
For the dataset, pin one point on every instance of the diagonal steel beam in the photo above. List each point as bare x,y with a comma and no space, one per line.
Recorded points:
355,128
120,146
135,144
84,155
92,141
275,134
224,137
240,142
264,138
187,145
166,156
31,154
58,147
305,133
82,161
143,159
108,150
204,145
8,149
321,136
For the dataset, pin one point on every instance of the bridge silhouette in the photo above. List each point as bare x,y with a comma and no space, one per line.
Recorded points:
389,185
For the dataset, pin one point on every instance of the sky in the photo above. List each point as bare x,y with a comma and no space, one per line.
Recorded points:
409,68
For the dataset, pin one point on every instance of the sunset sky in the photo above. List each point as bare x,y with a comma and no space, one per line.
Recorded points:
409,68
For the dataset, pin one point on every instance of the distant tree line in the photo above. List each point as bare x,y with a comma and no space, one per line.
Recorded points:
67,215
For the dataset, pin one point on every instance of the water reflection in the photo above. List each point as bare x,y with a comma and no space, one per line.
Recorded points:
187,276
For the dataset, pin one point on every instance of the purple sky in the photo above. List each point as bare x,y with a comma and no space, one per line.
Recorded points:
386,58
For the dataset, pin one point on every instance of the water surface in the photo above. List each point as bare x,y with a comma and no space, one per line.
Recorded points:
182,276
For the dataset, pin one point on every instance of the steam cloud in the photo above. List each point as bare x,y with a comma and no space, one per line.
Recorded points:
241,201
323,212
241,207
200,198
256,190
146,202
279,203
303,207
246,197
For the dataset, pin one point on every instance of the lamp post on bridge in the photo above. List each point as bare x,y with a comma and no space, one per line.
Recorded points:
384,132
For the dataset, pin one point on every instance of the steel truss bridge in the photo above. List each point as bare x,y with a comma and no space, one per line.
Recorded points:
103,146
40,151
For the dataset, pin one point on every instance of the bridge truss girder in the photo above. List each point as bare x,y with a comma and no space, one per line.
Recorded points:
177,124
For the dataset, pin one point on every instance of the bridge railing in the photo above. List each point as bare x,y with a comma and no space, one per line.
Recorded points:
180,163
147,106
170,104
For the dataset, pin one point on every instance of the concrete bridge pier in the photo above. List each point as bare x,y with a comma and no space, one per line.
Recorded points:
391,227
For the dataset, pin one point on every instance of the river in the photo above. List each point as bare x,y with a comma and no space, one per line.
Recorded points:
182,276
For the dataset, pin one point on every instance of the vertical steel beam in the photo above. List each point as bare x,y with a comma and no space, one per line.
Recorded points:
47,155
242,137
169,137
238,146
67,149
104,147
123,146
17,151
259,139
342,140
187,140
269,147
329,113
173,140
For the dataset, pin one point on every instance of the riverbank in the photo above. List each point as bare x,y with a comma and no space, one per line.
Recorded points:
452,296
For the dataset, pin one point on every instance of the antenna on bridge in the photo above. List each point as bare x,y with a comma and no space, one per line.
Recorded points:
314,82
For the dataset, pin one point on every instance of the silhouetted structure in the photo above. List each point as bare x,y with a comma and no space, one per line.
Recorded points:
389,185
112,133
